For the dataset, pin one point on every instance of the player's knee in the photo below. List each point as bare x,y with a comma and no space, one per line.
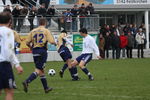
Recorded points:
81,66
9,92
74,63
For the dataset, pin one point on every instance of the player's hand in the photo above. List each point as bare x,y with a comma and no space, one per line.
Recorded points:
54,43
72,46
99,57
19,69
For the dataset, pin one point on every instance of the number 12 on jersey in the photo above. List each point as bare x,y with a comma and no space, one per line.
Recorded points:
38,38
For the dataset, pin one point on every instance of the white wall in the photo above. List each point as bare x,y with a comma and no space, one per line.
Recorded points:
54,56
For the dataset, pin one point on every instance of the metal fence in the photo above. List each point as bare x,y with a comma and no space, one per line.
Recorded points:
56,24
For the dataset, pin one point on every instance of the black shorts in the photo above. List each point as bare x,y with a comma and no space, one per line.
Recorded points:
65,53
40,57
6,76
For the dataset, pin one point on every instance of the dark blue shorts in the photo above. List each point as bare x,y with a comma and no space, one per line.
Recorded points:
65,53
40,57
84,57
6,76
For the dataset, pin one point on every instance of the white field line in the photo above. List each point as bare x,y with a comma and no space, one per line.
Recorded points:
91,95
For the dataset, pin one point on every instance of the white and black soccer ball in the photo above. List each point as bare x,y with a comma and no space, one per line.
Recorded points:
51,72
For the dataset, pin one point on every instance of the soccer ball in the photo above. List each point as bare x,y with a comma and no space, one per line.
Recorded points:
51,72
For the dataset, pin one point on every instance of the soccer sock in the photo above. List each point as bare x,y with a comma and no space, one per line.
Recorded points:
44,82
74,72
71,72
64,67
32,77
85,70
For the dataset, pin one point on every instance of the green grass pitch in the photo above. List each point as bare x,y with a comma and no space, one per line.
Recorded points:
127,79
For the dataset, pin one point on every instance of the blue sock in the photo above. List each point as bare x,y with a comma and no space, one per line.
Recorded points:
32,77
44,82
85,70
64,67
74,72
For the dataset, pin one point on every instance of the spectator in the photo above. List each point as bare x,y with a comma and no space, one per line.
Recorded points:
106,29
82,15
7,9
107,44
68,19
23,14
143,28
90,11
50,14
140,37
74,12
32,14
42,11
123,44
61,22
45,2
131,29
126,29
113,29
130,44
16,14
115,46
118,29
134,30
101,45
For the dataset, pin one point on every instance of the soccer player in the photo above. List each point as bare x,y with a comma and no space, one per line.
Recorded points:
89,46
37,40
7,57
65,54
17,38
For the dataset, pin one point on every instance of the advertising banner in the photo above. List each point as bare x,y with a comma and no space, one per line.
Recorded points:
63,2
131,1
77,41
23,47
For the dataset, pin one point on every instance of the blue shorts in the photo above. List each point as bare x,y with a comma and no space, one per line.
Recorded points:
84,57
40,57
65,53
6,76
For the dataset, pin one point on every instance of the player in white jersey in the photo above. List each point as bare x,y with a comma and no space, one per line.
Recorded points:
89,46
7,57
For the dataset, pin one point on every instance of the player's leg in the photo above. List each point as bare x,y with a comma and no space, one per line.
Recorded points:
44,81
85,59
65,55
72,70
61,73
41,67
9,94
85,70
34,75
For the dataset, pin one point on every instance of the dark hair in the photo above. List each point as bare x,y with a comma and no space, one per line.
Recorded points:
42,21
75,5
82,4
5,18
83,30
64,31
